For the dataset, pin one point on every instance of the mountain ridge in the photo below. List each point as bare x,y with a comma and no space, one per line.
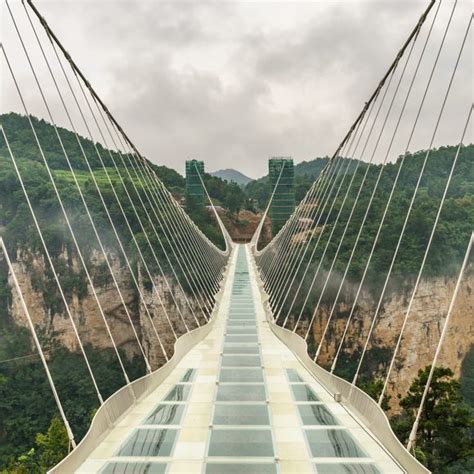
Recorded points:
231,174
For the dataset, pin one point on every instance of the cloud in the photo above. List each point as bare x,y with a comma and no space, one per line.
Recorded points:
235,83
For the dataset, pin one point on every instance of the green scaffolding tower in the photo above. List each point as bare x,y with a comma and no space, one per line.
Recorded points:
283,203
194,187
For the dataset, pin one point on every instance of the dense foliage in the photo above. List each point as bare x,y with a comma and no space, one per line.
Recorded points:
450,240
26,403
445,437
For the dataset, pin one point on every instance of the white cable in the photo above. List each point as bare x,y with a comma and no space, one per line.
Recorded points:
52,385
366,268
372,325
435,224
50,261
414,430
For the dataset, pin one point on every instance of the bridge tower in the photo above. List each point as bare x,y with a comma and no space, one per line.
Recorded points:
194,187
283,203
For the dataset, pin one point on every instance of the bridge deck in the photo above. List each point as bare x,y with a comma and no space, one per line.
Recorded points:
239,402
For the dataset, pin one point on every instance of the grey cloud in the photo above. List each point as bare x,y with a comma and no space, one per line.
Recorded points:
234,83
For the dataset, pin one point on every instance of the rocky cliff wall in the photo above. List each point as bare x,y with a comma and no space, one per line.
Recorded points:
421,334
151,323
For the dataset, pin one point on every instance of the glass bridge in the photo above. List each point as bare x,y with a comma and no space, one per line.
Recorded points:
239,402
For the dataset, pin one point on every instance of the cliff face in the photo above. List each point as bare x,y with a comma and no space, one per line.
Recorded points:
52,322
421,334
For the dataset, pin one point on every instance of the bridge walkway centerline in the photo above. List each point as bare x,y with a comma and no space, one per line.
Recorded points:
239,402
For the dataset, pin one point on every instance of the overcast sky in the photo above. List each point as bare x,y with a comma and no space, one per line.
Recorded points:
234,83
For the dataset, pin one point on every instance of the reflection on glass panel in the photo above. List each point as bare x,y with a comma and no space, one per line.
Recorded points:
316,415
242,322
241,393
188,376
247,468
333,443
304,393
178,393
293,375
166,414
241,315
241,349
241,375
236,338
241,361
149,442
241,415
239,330
119,467
241,443
346,468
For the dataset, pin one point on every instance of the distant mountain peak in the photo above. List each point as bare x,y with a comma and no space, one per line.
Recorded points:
230,174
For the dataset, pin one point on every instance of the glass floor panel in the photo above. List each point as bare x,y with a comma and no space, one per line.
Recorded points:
346,468
241,315
304,393
333,443
241,415
241,361
241,375
149,442
316,415
188,376
166,414
178,393
241,393
293,375
241,349
241,443
241,338
240,330
244,468
242,322
124,467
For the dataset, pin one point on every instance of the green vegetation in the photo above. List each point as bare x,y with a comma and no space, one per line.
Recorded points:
27,406
446,431
449,244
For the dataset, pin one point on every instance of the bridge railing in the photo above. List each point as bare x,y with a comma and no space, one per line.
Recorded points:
118,405
360,405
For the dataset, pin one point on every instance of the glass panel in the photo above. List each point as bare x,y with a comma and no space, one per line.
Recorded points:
241,415
293,375
241,315
246,468
166,414
304,393
241,349
235,392
241,375
235,338
189,375
241,443
178,393
244,330
347,468
242,322
333,443
316,415
134,468
241,361
149,442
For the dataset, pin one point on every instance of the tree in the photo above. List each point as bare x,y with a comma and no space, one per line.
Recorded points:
445,432
53,445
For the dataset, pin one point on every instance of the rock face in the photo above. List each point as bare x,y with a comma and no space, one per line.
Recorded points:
421,334
147,319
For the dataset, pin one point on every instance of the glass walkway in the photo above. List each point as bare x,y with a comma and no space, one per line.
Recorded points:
239,402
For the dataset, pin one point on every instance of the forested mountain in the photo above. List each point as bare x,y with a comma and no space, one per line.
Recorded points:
232,175
23,386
